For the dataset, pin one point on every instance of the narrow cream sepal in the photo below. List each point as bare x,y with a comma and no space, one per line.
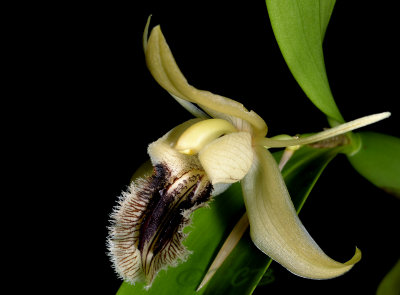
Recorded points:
341,129
162,65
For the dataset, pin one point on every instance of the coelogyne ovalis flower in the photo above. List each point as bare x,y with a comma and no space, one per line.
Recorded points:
226,143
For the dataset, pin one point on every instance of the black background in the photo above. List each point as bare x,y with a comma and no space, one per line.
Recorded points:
97,108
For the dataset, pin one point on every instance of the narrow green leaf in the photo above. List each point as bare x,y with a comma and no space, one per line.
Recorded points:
390,284
299,27
244,268
378,160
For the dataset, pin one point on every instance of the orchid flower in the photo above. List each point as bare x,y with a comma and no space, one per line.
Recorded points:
200,158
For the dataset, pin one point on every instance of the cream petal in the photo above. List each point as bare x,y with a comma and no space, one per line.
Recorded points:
164,69
275,227
228,158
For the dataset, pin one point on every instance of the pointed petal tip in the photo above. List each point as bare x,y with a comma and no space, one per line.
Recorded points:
146,33
377,117
332,271
276,229
356,258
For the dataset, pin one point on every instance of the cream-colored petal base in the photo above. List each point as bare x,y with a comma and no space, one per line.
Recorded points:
228,158
197,136
162,151
275,227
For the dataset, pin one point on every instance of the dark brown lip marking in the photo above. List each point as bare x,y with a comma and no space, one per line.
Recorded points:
151,219
164,217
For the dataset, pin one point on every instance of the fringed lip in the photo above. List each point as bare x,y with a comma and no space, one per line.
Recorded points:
146,231
147,227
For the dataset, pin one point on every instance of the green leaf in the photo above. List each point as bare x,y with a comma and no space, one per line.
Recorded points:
390,284
303,170
326,8
299,27
268,277
245,266
378,160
